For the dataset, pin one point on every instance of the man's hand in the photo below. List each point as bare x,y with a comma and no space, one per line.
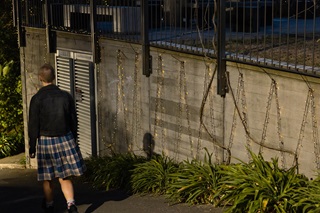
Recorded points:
32,152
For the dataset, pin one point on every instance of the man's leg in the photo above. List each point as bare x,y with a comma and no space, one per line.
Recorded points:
48,190
67,190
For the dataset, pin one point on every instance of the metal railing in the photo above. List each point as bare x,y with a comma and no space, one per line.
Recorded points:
274,33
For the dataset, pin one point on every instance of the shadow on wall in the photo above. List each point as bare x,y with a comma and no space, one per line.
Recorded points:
148,145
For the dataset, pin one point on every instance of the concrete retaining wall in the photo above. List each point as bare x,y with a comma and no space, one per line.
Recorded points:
163,112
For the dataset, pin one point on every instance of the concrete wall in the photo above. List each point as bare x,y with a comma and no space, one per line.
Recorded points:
283,120
163,112
32,57
165,106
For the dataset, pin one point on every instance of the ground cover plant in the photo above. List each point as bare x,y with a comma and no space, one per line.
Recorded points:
257,186
308,198
195,182
153,176
112,172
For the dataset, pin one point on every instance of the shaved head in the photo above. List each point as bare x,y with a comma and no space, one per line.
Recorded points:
46,73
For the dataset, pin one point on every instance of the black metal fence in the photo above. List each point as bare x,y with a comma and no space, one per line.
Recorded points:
274,33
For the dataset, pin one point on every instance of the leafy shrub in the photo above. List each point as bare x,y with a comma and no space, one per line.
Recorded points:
195,182
11,112
11,144
153,176
112,172
259,186
307,199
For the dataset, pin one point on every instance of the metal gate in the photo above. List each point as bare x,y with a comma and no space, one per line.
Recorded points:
75,74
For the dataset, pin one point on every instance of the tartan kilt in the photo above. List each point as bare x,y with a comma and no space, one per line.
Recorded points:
59,157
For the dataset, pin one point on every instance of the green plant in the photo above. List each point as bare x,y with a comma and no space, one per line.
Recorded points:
11,144
112,171
11,118
195,182
11,113
8,34
153,176
307,199
259,186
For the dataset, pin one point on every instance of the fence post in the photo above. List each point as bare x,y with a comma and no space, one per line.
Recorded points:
94,40
221,54
21,31
146,57
50,35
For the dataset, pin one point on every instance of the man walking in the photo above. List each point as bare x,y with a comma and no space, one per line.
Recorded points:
52,131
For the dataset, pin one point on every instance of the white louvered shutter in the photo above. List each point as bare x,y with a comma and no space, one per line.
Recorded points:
82,94
63,78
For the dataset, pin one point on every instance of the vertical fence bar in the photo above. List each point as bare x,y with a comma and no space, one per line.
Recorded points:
21,31
221,55
146,58
93,24
14,13
50,35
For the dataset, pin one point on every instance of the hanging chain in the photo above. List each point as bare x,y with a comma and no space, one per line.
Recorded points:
179,119
115,117
205,88
159,103
279,129
136,106
245,114
315,129
267,117
235,114
310,101
185,99
211,114
303,126
122,98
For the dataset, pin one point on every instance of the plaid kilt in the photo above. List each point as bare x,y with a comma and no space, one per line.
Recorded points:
59,157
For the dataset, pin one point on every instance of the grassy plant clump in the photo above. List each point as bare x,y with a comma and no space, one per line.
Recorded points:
307,199
259,186
153,176
113,172
195,182
97,171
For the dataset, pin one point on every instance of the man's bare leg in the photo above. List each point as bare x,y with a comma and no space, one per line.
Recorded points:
67,190
48,190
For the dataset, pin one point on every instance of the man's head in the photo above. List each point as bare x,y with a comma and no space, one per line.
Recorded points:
46,73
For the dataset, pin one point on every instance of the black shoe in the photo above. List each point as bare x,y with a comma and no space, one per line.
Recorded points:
73,209
49,209
46,209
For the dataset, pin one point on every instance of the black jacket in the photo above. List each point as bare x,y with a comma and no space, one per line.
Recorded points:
52,113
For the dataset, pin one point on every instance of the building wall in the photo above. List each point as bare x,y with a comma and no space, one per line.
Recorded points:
32,57
177,112
281,119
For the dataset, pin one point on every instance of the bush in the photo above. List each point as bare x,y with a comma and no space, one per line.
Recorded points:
11,112
195,182
11,144
112,172
259,186
307,199
153,176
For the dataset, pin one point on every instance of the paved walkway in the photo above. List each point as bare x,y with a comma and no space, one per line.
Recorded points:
20,192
